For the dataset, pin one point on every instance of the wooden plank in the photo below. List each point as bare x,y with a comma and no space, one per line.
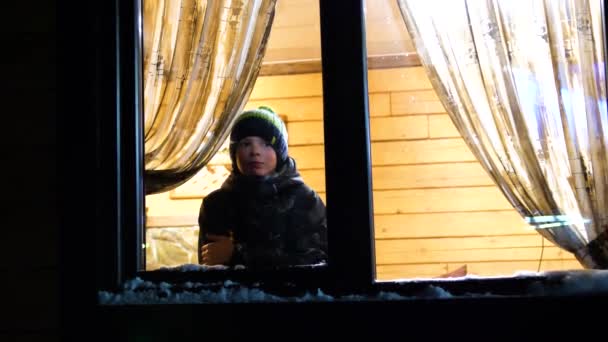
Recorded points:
314,178
296,109
429,176
399,128
296,13
295,18
507,268
404,271
311,108
389,55
162,205
416,102
397,79
382,128
385,202
415,176
387,226
496,268
385,30
420,152
387,47
379,104
305,133
385,257
397,246
304,52
441,126
172,221
388,60
383,11
308,157
283,37
482,223
282,86
290,68
384,25
439,200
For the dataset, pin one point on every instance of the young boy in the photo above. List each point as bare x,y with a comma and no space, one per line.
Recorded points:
263,216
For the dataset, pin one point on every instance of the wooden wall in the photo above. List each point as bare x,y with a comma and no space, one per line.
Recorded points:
435,207
386,32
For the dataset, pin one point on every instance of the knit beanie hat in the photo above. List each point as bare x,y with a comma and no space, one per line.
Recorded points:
263,123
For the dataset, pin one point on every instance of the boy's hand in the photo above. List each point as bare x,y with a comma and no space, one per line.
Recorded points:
218,251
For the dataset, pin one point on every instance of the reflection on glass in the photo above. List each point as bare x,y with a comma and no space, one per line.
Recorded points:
271,219
482,125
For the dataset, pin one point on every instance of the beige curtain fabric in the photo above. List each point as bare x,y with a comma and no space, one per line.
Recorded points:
524,83
201,60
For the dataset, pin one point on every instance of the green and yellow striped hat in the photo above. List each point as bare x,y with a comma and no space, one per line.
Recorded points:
262,122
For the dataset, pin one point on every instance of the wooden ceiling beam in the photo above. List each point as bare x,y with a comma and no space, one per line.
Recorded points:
314,65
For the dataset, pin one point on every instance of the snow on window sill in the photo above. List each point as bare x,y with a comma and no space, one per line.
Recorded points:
140,292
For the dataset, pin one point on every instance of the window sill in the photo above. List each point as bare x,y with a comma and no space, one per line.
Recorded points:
307,285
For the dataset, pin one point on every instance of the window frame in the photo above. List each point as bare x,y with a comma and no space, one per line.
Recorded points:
347,155
119,156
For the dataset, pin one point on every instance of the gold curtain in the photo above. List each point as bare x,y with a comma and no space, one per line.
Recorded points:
201,60
524,83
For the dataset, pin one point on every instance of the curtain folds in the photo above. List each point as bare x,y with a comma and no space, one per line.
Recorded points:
524,83
201,60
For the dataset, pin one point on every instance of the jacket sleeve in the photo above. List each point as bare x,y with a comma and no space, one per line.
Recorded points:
212,218
306,237
309,230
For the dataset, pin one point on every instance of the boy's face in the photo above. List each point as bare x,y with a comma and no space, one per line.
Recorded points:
255,157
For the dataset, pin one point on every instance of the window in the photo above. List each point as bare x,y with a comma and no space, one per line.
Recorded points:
349,214
289,82
348,159
441,187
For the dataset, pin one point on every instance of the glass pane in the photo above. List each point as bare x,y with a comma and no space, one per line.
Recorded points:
289,82
438,212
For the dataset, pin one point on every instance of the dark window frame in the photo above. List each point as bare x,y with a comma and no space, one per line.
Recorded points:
119,158
347,155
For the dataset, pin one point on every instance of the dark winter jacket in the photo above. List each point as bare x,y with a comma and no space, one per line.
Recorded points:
275,221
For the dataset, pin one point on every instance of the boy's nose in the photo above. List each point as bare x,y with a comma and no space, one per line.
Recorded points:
255,149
